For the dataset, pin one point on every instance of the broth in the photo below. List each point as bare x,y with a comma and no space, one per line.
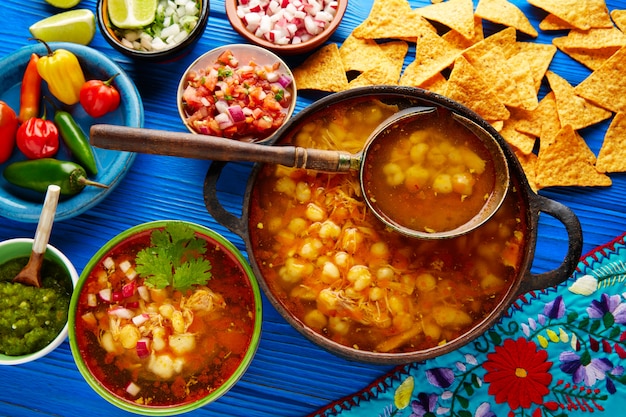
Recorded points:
195,339
337,269
431,174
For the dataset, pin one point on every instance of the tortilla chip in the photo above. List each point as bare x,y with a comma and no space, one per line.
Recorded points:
539,57
322,71
505,13
382,66
551,22
511,81
572,109
432,55
461,43
466,86
503,40
436,84
568,161
591,39
606,86
392,19
529,166
591,47
619,18
395,51
612,155
522,142
458,15
543,122
581,14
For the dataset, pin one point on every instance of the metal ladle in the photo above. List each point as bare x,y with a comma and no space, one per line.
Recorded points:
220,149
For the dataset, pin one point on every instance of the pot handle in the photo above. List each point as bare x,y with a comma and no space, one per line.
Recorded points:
574,249
214,206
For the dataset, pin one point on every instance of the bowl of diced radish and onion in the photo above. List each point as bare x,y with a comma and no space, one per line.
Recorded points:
238,91
287,27
175,29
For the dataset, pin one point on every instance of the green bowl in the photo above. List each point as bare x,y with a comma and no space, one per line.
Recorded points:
214,392
19,247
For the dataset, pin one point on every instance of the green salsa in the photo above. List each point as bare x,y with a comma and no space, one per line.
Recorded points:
30,317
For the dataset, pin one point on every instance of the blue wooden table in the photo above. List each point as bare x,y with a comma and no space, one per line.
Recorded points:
289,376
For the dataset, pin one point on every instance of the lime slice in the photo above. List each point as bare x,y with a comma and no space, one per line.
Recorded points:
77,26
63,4
129,14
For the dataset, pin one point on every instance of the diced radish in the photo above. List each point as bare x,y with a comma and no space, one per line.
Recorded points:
116,296
105,295
144,293
274,20
108,263
128,290
143,350
121,312
133,389
140,319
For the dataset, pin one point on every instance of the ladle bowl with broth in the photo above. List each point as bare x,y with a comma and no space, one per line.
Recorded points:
360,289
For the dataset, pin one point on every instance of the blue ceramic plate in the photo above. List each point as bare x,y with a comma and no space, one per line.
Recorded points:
25,206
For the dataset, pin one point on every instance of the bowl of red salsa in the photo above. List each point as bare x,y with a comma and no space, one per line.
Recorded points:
165,318
241,92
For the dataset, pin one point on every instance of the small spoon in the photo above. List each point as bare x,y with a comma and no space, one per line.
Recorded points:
31,273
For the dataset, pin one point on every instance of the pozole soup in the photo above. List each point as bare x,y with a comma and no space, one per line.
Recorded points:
336,268
166,317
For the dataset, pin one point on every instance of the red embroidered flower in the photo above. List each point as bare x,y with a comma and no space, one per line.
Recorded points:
518,373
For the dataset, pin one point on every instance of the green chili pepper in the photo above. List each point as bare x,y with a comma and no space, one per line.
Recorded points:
76,141
37,174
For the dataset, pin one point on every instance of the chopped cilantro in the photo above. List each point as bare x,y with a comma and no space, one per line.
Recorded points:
279,95
173,259
224,73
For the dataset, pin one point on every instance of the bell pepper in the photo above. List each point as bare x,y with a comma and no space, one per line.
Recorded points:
38,138
99,97
30,91
8,128
63,73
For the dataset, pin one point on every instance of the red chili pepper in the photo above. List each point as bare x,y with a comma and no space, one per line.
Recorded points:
38,138
30,93
8,127
99,97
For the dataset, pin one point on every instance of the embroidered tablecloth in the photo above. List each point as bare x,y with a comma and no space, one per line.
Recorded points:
557,352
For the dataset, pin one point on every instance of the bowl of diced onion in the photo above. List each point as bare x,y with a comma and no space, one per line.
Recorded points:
238,91
175,29
287,27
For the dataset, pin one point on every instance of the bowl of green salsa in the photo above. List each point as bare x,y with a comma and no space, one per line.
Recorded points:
33,321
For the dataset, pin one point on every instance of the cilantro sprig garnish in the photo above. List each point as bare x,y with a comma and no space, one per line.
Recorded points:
174,259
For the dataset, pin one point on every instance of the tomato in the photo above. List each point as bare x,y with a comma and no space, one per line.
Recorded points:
99,97
8,128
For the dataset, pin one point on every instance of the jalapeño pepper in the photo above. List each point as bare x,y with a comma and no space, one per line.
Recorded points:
37,174
63,73
76,141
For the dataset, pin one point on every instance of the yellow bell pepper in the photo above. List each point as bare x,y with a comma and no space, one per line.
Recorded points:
63,73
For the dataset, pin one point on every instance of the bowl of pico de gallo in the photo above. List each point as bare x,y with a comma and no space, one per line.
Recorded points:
287,27
239,91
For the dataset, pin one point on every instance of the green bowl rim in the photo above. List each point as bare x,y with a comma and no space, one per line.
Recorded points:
214,395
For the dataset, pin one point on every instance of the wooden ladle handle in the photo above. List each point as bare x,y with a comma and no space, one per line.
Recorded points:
46,219
188,145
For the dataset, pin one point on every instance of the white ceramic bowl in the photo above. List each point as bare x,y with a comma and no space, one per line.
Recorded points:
19,247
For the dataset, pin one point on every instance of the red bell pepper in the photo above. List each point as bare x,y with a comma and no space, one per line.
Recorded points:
8,127
38,138
99,97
